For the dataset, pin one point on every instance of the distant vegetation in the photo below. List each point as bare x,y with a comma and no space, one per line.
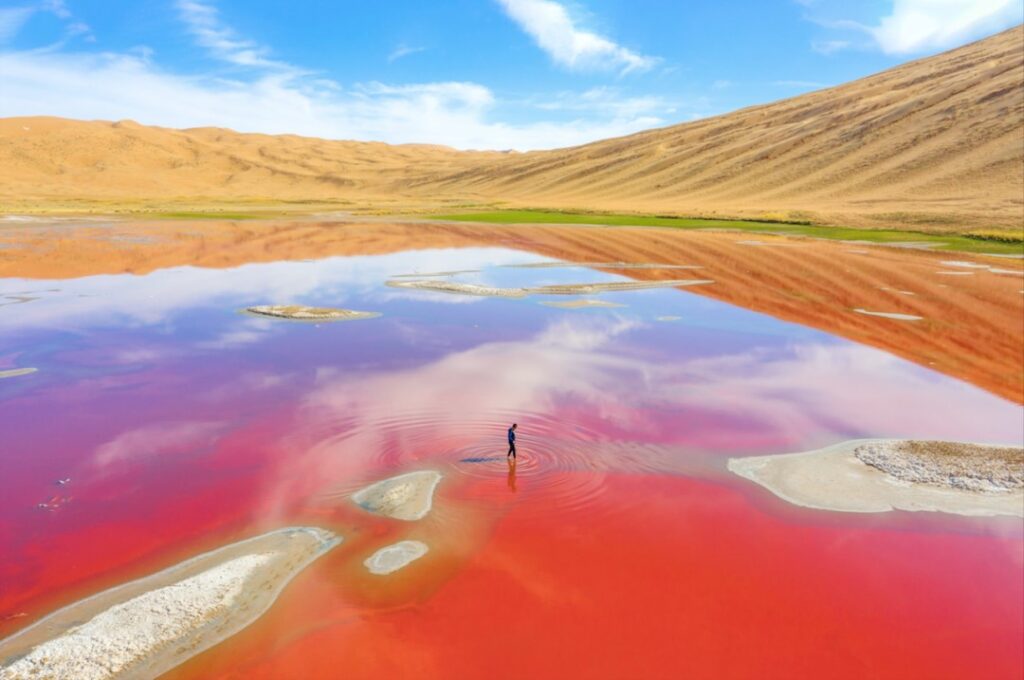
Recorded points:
981,241
1000,235
202,215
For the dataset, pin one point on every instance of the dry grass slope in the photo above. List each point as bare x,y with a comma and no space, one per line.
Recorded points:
936,143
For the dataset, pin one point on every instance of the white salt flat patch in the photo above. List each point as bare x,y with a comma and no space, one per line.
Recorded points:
15,372
582,304
146,627
963,263
890,315
407,497
834,478
306,313
393,557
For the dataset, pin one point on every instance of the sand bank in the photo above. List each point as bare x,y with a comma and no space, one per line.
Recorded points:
613,286
146,627
407,497
601,265
890,315
304,313
914,476
558,289
393,557
582,304
460,288
15,372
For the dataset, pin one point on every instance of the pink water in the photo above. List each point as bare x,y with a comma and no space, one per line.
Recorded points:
620,546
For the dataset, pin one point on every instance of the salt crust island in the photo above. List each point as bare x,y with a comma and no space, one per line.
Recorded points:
16,372
393,557
146,627
879,475
304,313
407,497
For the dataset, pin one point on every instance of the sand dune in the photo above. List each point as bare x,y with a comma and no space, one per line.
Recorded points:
934,143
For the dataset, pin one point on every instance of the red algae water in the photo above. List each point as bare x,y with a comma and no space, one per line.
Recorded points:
163,422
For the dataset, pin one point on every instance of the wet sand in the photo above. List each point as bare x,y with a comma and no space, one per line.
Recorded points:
838,478
146,627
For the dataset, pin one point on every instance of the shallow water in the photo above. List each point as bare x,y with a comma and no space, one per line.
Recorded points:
618,546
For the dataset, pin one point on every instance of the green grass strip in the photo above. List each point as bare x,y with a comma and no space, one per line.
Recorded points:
952,242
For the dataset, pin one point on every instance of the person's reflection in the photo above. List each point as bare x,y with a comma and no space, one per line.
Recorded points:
512,474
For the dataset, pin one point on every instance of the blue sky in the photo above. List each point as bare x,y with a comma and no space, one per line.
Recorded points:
494,74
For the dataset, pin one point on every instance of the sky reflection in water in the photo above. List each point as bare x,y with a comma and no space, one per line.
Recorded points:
160,400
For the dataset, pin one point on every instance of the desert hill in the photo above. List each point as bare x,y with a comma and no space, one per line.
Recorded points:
938,142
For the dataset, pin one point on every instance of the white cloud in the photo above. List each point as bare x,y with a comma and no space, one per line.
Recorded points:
830,46
57,7
156,439
607,100
802,84
555,32
113,86
403,51
204,24
275,97
919,25
12,19
914,26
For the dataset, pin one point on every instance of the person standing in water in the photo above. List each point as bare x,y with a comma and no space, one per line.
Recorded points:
512,441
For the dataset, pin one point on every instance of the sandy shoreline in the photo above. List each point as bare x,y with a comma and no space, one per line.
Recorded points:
146,627
835,478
